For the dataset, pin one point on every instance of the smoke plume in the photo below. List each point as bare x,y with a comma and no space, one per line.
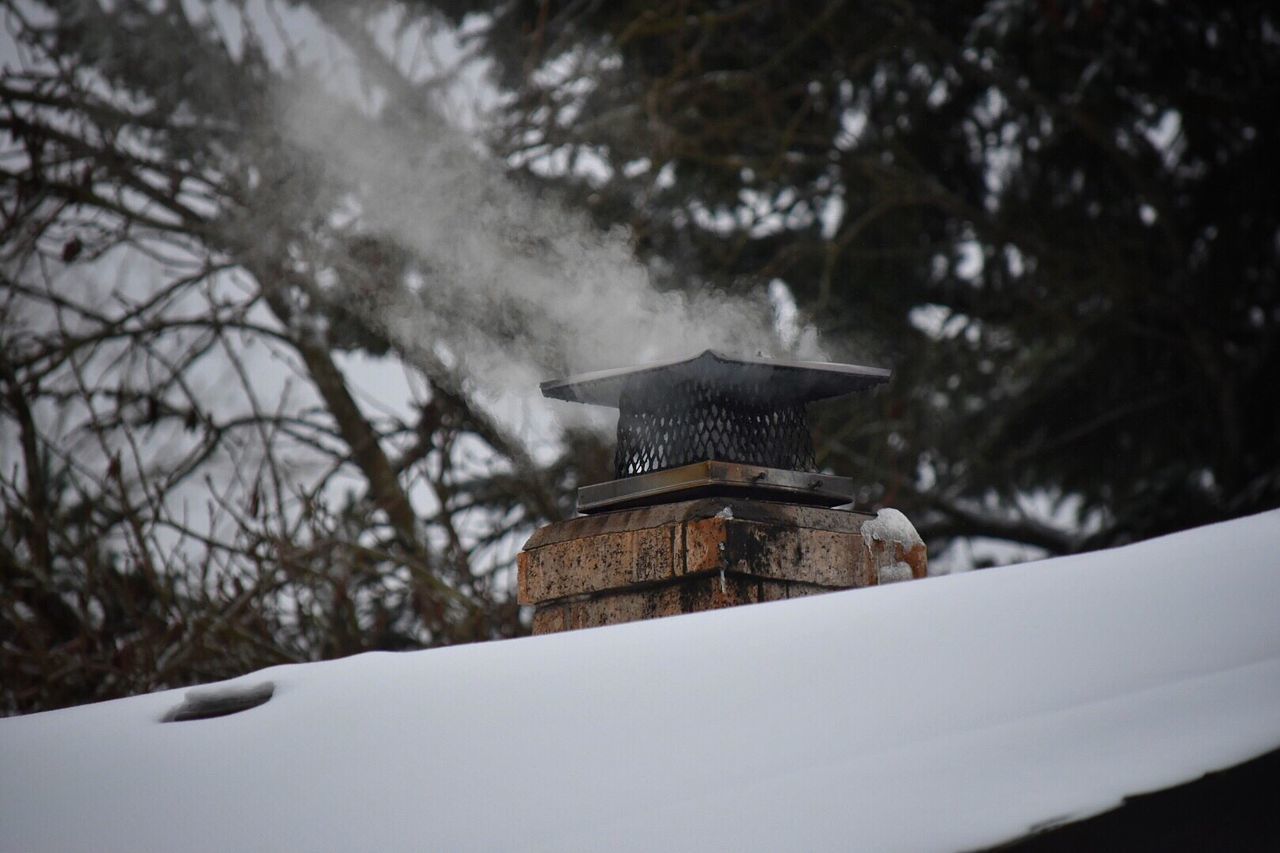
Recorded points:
508,282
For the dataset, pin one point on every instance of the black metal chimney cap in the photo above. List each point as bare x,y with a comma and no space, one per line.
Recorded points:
788,382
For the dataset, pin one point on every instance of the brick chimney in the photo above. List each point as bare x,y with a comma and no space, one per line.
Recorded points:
716,501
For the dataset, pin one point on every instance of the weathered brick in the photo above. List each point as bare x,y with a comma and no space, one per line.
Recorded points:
769,512
883,556
682,558
801,590
688,595
550,619
704,545
829,558
595,563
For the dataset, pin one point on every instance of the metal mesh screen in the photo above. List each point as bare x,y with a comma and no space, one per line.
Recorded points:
694,421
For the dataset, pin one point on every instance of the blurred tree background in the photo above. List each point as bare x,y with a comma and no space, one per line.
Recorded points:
1056,220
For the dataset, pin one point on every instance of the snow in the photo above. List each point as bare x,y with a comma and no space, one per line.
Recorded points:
942,714
216,700
894,573
890,525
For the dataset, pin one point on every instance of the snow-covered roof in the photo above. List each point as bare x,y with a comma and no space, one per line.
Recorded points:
942,714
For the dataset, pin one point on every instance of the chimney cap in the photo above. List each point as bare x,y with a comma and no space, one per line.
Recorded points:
787,381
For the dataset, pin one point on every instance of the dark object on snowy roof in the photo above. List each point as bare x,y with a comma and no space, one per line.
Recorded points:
206,703
675,417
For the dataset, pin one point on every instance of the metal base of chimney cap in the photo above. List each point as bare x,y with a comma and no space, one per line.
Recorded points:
704,479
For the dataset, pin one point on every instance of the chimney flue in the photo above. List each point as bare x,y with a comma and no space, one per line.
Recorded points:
715,501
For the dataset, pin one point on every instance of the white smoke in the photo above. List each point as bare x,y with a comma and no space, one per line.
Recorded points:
509,282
